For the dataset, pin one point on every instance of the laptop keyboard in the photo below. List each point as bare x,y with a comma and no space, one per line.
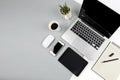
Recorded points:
87,34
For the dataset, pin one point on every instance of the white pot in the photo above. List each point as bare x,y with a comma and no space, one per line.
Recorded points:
68,16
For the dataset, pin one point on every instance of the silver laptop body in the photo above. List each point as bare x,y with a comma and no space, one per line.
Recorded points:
81,45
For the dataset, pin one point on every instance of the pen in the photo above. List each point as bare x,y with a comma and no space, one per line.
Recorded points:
110,60
111,54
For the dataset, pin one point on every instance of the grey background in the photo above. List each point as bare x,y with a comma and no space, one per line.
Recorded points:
23,27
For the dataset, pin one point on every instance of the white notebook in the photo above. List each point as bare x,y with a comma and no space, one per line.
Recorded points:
108,65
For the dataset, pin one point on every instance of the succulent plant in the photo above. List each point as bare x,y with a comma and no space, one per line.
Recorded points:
64,9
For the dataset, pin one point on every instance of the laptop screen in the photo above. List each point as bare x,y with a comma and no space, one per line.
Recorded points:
100,17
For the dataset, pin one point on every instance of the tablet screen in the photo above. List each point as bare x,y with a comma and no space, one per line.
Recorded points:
72,61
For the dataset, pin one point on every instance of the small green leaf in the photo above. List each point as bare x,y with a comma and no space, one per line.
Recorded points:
64,9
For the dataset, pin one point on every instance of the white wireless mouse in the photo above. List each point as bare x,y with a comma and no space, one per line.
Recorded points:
47,41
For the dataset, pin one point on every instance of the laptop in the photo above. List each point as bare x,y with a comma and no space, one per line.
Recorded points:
90,32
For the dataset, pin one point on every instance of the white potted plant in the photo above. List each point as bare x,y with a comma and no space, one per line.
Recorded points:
65,11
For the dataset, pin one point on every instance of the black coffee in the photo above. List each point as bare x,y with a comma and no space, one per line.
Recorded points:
54,26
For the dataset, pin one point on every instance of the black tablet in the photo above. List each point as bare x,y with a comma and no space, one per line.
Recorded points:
72,61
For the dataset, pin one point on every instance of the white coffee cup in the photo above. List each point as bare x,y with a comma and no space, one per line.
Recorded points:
54,26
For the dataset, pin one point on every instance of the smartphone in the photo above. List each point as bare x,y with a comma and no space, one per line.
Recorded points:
56,48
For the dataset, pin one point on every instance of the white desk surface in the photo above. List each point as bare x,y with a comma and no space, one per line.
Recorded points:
23,26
